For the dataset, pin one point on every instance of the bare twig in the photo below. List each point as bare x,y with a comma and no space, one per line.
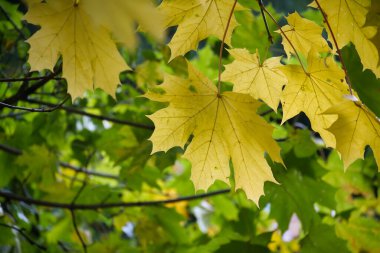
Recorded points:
27,79
24,92
73,218
43,109
27,238
95,116
270,38
70,206
336,45
15,151
221,46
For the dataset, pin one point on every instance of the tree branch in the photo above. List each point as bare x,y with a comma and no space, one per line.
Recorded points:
43,109
95,116
27,238
15,151
24,93
70,206
26,79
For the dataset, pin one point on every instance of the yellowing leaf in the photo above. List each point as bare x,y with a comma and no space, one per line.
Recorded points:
260,80
90,57
314,92
347,19
223,126
121,16
196,20
355,128
304,35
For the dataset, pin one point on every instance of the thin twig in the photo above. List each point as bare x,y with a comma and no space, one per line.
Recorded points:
43,109
15,151
348,81
13,23
73,218
270,38
70,206
285,36
221,46
95,116
27,238
24,92
23,79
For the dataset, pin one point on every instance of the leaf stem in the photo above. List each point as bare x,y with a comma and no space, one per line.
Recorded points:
221,46
285,36
270,37
336,45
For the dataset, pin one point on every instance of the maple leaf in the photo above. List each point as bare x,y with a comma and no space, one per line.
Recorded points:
347,20
260,80
314,92
223,126
355,128
304,35
196,20
90,57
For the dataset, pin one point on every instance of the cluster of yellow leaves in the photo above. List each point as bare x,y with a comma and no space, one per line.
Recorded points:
80,32
221,126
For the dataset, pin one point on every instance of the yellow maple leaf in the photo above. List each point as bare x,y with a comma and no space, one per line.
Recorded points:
304,35
223,126
90,57
260,80
313,92
355,128
347,20
196,20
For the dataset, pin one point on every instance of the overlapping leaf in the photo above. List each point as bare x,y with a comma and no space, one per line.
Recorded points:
304,35
79,32
196,20
223,126
355,128
261,80
313,92
347,20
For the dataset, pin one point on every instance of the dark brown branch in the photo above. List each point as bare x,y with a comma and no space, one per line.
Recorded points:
86,171
70,206
73,218
270,38
336,45
23,93
26,79
27,238
95,116
42,109
15,151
